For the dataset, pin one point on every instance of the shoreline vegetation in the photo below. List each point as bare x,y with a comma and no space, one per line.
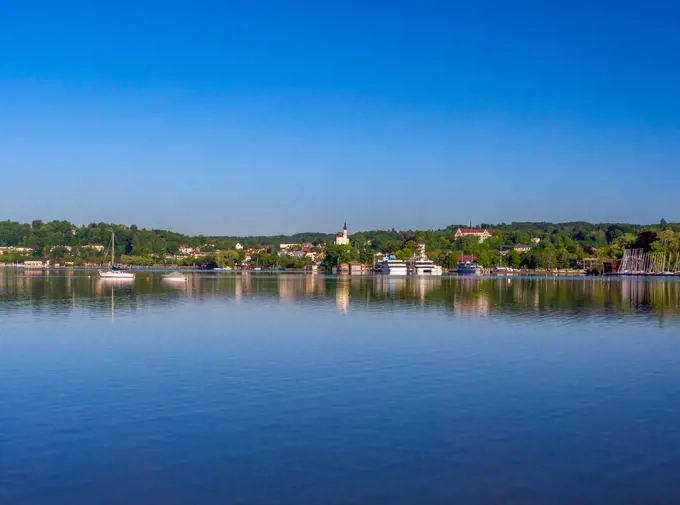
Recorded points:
529,246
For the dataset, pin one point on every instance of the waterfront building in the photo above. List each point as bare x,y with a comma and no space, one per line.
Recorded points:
357,268
36,263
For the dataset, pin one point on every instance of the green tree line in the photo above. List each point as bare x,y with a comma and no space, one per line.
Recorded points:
559,243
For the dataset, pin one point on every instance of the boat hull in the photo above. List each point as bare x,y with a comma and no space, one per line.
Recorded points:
427,271
393,271
115,275
469,271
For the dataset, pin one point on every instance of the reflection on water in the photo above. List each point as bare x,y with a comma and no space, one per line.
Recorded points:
287,389
463,296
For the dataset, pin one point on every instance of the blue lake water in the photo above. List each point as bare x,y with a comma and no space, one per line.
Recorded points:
291,389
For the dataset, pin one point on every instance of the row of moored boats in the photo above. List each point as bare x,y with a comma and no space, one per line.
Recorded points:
116,273
423,266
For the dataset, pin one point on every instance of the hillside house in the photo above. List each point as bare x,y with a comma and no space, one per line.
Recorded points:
481,234
522,248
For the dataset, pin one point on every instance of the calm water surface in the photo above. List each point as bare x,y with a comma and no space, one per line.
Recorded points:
287,389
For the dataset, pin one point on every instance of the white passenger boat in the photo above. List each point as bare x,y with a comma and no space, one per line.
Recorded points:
392,266
423,266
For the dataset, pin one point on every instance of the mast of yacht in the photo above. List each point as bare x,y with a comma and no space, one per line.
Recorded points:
113,249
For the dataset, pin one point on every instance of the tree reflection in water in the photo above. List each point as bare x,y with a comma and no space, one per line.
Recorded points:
459,296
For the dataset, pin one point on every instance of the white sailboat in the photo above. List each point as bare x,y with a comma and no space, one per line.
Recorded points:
114,272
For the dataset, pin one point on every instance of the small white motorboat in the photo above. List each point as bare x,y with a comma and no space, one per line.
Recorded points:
174,277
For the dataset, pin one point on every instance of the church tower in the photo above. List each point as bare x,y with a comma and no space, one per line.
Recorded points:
342,238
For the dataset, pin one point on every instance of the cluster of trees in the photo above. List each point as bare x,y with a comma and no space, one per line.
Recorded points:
558,243
50,239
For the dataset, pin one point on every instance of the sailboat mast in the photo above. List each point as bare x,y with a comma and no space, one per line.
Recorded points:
113,249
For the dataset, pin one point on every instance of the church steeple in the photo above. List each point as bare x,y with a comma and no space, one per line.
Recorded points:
342,238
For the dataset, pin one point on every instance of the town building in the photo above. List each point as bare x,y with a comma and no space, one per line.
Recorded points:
342,238
186,250
308,252
96,247
36,263
66,247
298,253
522,248
288,245
14,249
238,246
481,234
357,268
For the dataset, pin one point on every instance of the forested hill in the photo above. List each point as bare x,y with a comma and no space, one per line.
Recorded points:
574,237
43,236
584,233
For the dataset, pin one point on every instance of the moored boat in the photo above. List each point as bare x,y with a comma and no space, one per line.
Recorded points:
470,268
392,266
115,272
175,277
423,266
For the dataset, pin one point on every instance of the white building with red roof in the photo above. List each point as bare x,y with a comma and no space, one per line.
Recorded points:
481,234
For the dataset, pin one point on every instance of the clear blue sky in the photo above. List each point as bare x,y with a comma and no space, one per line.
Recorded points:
283,116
